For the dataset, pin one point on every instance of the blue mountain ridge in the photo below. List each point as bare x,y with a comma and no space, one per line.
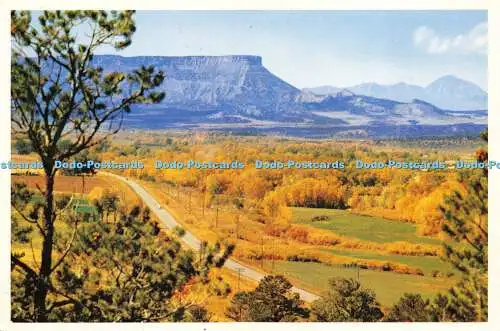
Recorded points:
237,90
447,92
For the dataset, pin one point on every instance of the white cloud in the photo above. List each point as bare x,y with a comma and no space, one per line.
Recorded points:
474,41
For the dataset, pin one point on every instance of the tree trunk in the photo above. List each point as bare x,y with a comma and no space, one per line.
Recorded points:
42,284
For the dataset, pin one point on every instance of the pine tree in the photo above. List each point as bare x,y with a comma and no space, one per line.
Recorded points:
22,146
466,223
410,308
129,270
347,301
64,103
271,301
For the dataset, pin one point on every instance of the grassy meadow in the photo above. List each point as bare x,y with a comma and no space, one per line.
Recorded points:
370,228
388,286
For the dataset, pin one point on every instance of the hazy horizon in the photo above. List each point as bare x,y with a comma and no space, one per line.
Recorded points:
337,48
306,87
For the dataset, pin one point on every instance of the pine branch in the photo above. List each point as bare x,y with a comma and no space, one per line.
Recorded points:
17,262
42,232
68,248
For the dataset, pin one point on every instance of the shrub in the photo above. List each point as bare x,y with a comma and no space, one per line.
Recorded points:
320,218
298,233
302,258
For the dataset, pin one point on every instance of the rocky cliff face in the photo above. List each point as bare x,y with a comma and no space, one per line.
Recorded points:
233,85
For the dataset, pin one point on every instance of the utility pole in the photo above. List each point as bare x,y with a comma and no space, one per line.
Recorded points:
239,276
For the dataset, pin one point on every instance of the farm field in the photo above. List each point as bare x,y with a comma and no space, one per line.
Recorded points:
64,184
315,276
83,206
369,228
388,286
74,185
428,264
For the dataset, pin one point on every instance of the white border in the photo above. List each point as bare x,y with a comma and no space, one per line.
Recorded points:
494,152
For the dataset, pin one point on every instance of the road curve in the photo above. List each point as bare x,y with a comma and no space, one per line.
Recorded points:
193,242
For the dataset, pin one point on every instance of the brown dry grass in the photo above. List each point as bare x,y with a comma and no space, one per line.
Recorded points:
74,185
63,184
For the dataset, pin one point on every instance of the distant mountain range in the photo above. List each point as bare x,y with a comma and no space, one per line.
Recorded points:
447,92
238,92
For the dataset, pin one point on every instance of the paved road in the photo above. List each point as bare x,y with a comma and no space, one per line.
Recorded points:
194,242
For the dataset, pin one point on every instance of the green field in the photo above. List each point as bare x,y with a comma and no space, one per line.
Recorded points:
82,206
79,205
367,228
388,286
426,263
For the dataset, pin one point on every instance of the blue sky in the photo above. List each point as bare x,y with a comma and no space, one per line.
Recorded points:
340,48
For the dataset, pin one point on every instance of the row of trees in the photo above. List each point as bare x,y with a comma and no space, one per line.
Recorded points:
404,195
466,224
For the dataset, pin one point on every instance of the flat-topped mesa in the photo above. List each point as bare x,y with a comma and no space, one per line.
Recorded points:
248,59
179,60
233,84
